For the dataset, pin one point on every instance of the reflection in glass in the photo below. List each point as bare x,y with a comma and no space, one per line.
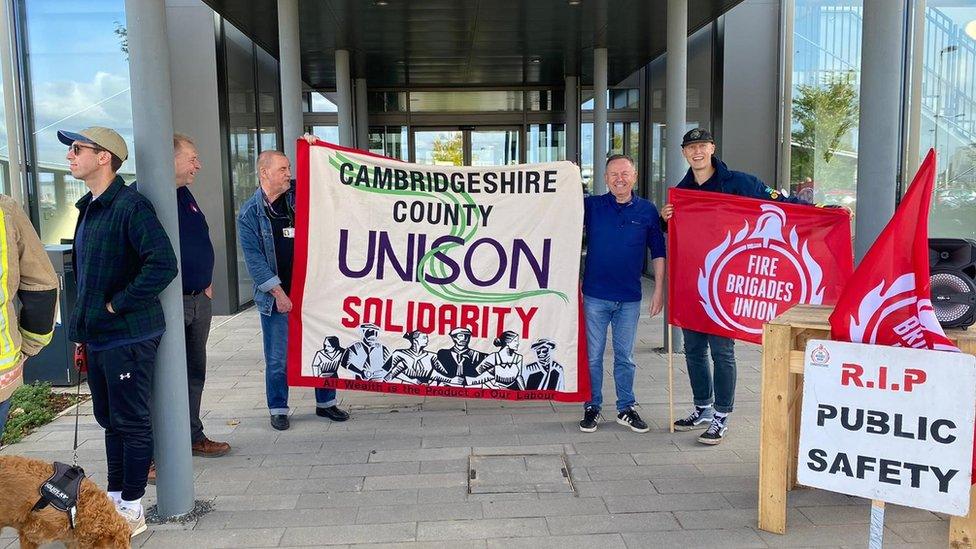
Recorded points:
79,78
948,121
320,102
242,129
547,142
268,91
826,80
465,101
441,148
494,147
328,134
390,141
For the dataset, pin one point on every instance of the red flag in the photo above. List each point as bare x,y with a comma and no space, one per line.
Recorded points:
887,300
735,263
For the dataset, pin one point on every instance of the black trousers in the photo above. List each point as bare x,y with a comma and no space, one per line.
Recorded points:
120,380
197,315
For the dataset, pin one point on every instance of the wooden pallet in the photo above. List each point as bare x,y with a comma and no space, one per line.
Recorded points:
784,342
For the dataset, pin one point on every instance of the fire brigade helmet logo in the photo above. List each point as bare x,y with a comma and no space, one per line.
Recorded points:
897,310
758,273
819,356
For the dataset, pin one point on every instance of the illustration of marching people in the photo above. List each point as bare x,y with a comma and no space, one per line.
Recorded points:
460,360
326,361
416,364
367,359
545,373
503,368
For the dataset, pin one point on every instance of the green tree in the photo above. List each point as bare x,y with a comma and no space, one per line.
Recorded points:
122,34
825,116
448,151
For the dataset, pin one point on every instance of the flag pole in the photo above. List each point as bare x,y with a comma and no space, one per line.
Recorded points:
670,378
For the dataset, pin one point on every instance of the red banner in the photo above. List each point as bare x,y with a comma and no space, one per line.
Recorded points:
735,263
887,301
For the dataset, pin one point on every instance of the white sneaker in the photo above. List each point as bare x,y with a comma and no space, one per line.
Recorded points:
135,518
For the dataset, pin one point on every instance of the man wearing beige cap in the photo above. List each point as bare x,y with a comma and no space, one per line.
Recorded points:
123,260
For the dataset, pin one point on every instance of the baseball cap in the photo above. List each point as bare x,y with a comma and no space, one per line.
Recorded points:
697,135
105,138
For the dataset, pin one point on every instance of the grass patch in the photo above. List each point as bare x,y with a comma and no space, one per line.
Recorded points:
33,406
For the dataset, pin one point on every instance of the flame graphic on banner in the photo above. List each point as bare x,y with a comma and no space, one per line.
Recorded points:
769,230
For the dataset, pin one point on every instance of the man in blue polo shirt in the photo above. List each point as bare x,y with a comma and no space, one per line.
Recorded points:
620,228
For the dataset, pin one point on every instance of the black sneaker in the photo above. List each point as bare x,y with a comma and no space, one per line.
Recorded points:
280,422
699,419
630,418
333,413
716,431
590,415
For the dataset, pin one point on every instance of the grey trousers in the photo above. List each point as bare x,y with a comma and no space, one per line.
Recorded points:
197,314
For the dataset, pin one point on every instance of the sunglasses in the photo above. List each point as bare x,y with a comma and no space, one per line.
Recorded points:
76,148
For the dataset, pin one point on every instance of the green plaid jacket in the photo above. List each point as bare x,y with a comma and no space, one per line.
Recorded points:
126,260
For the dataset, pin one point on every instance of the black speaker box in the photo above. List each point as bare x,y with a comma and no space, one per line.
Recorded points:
952,266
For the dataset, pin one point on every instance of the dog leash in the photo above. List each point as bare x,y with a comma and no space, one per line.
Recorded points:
81,364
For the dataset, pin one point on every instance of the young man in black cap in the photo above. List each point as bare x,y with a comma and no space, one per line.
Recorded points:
714,393
123,260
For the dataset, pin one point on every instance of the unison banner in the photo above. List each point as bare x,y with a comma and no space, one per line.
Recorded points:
436,280
735,263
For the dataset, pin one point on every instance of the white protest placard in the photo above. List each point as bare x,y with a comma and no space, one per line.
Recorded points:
888,423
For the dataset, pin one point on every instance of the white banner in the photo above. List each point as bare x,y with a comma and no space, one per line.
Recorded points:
888,423
443,280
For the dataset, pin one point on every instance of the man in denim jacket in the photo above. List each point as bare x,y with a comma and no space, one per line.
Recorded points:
266,227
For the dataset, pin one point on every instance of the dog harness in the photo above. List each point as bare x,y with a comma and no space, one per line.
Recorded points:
61,490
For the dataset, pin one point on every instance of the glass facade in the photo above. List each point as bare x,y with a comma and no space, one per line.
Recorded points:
826,81
65,93
253,124
75,69
948,119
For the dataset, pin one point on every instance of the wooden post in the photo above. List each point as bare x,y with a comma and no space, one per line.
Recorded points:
962,530
670,379
774,436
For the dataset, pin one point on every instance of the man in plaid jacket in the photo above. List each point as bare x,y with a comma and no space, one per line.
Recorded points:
123,260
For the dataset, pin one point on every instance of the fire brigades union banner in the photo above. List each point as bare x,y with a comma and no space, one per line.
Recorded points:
436,280
736,263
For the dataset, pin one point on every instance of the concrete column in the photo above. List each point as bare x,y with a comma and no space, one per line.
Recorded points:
914,125
362,115
882,40
572,118
290,67
675,112
599,119
11,113
152,121
344,100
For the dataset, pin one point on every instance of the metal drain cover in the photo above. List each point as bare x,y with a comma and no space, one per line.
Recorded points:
519,474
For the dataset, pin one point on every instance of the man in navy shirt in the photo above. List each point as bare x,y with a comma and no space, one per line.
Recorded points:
714,393
620,228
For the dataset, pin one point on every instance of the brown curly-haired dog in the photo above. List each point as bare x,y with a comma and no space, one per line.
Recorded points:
97,523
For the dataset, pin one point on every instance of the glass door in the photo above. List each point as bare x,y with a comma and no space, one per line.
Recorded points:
491,147
441,147
474,146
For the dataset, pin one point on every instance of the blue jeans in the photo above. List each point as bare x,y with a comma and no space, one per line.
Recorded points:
274,328
702,380
4,409
622,316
